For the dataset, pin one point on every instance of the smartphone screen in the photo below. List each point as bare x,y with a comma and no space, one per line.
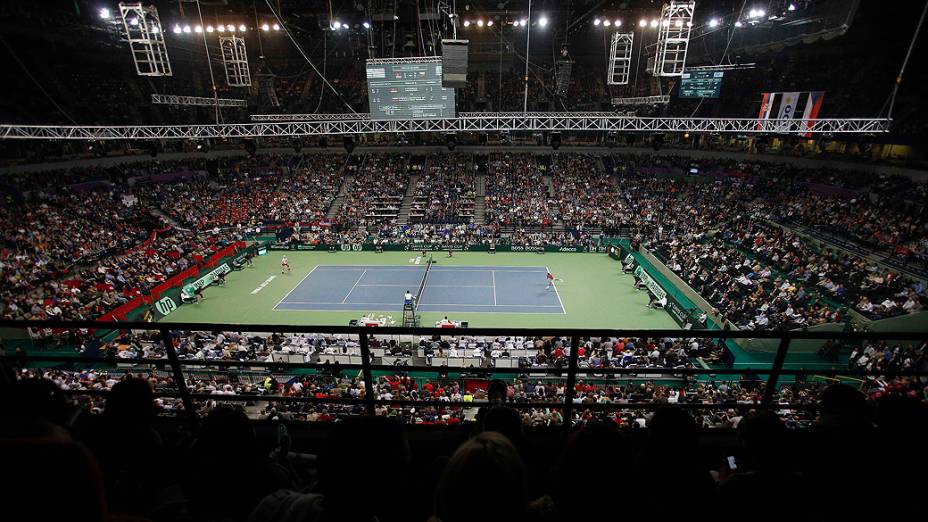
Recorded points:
732,465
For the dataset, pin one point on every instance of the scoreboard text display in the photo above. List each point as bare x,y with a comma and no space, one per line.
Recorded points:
701,84
403,89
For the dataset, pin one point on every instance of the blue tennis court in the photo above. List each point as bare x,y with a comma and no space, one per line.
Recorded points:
493,289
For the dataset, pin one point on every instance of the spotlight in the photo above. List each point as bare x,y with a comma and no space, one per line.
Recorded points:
597,21
607,23
792,7
366,25
242,28
198,29
221,28
653,23
489,23
348,143
133,21
542,22
618,23
275,27
209,29
177,29
466,23
186,28
738,23
155,29
105,13
480,23
642,23
336,25
678,23
230,28
265,27
523,22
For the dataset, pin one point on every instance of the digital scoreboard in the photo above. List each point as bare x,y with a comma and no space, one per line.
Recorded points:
408,88
701,84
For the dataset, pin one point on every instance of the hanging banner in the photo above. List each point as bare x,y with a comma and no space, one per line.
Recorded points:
813,107
788,105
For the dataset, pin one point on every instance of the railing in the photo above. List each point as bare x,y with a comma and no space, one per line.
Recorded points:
774,372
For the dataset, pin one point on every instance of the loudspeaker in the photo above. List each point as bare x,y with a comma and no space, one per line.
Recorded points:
349,144
562,76
451,142
556,140
454,63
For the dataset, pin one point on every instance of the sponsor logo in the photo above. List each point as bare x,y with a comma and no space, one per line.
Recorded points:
527,248
207,279
165,306
352,247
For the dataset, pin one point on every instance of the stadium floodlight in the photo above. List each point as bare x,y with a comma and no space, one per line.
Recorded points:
177,29
198,29
275,27
678,23
618,23
221,28
642,23
186,28
133,21
653,23
792,7
738,23
597,21
489,23
242,28
105,13
155,29
366,25
466,23
230,28
543,21
523,22
266,27
714,23
607,23
209,29
480,23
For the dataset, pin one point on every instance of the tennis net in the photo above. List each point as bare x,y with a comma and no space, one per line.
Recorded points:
428,266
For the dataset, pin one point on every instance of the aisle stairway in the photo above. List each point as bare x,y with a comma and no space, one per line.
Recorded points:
403,217
480,199
342,195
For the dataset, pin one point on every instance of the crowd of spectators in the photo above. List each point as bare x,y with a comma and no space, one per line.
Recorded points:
444,191
517,194
375,192
718,231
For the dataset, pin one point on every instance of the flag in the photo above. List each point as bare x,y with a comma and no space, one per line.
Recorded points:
765,104
813,106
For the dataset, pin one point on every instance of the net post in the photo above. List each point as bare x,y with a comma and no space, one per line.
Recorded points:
368,374
179,382
571,382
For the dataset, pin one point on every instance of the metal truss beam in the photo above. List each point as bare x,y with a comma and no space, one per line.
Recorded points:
502,122
171,99
727,67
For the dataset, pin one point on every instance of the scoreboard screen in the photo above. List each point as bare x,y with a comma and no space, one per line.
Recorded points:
701,84
408,88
